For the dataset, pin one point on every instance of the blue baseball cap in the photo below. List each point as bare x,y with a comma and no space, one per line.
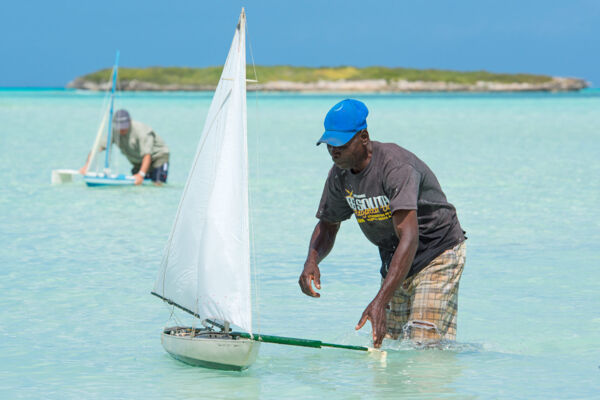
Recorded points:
343,121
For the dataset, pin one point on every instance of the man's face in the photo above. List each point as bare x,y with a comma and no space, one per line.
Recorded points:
346,156
122,128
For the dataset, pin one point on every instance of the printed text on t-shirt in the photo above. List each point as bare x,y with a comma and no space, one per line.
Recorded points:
369,209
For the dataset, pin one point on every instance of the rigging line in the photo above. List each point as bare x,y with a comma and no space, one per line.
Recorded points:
251,54
112,151
109,138
243,74
103,117
93,156
92,159
257,158
178,322
115,163
172,315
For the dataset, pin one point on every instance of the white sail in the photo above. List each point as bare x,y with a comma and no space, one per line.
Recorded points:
206,264
101,139
99,136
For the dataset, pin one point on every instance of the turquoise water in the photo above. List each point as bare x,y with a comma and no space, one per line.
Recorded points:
77,265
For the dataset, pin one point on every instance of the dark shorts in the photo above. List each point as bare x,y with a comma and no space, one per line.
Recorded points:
158,174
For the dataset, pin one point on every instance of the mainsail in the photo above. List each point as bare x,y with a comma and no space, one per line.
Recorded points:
206,263
101,135
98,139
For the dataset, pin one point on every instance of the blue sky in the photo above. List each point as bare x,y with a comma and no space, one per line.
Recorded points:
48,43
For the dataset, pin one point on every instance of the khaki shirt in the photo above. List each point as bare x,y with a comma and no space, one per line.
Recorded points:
139,141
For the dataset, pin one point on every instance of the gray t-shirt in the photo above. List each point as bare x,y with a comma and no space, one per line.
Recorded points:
139,141
395,179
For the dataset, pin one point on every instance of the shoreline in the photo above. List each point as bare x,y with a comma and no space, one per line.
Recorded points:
556,84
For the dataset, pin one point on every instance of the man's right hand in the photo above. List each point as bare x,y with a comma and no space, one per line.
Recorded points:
309,275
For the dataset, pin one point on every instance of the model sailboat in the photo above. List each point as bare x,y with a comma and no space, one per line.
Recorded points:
106,177
103,174
206,265
205,269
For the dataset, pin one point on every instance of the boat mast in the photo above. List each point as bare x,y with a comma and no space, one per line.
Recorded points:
110,116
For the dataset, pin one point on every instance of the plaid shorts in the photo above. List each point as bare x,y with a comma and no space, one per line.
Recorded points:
424,306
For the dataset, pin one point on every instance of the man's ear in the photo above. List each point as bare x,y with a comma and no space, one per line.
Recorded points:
364,136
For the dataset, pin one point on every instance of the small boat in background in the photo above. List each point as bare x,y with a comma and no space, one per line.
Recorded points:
107,177
98,173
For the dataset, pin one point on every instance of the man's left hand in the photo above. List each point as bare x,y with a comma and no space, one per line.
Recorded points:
375,312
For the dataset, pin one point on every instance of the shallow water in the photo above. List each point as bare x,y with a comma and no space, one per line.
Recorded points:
78,321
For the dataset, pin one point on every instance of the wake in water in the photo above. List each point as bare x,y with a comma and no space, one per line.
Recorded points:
365,339
445,345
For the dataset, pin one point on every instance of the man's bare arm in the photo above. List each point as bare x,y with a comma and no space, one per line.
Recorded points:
139,177
321,243
407,230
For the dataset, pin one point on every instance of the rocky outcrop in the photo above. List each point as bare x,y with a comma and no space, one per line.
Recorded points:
135,85
556,84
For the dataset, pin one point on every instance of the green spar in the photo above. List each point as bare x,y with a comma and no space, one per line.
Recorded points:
296,341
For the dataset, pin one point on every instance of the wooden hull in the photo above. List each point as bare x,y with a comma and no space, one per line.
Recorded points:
210,350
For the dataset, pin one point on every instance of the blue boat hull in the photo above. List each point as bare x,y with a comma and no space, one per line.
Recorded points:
94,180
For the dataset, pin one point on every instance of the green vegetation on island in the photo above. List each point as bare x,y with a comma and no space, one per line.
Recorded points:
209,76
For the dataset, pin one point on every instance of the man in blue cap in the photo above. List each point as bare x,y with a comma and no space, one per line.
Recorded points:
144,149
400,207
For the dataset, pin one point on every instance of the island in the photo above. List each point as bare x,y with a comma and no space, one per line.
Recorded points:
285,78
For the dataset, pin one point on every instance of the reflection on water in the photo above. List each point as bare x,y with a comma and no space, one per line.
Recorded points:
181,381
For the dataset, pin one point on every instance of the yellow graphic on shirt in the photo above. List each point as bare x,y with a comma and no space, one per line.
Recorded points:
369,209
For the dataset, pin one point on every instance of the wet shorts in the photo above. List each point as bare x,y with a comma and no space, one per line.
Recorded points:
158,174
424,307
